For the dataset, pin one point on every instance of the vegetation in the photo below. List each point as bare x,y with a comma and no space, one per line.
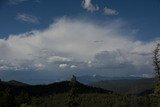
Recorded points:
135,86
98,100
74,94
7,99
75,99
156,63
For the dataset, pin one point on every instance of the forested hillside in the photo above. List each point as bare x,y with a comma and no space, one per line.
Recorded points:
127,86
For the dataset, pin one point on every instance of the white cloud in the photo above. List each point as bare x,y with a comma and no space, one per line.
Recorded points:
110,12
69,42
89,6
27,18
147,76
89,63
111,59
4,67
73,66
16,2
144,75
58,59
63,65
39,66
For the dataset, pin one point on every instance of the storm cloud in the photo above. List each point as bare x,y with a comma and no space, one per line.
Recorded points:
68,46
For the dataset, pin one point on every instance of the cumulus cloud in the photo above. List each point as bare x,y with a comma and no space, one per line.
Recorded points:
63,65
4,67
73,66
111,59
110,12
87,4
70,43
58,59
27,18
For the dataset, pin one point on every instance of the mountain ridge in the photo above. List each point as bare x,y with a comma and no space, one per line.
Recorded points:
126,86
88,79
54,88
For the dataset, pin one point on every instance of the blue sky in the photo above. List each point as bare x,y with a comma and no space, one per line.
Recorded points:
142,15
53,37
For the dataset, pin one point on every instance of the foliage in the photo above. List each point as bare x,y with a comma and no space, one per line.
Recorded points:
23,98
25,105
100,100
7,99
73,96
157,90
156,63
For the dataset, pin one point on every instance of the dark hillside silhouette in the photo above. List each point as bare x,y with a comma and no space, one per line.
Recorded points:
55,88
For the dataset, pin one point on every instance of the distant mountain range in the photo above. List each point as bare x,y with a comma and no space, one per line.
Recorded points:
87,79
128,86
43,90
94,84
12,83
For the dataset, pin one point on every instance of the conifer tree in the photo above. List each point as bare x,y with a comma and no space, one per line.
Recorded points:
156,64
73,95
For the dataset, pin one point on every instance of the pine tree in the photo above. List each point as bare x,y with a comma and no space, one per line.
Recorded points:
73,96
156,64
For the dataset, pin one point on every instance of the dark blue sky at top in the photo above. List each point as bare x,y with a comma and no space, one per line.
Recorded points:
143,15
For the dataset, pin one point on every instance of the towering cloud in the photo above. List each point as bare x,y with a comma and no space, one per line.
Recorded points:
85,46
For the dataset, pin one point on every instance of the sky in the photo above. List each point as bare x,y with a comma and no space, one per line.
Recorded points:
43,41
